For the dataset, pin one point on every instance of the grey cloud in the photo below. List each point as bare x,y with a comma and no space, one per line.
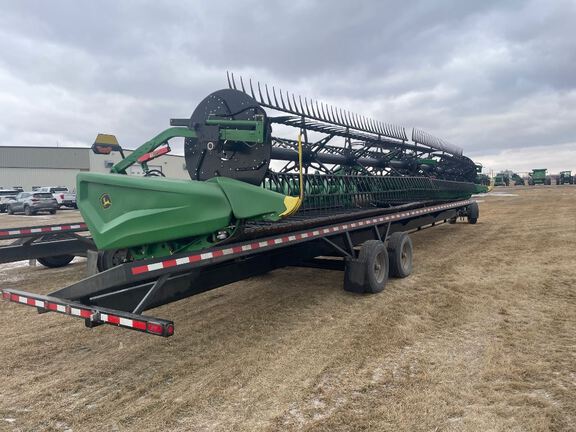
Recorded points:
490,76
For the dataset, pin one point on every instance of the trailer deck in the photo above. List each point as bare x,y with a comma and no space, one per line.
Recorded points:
118,296
44,242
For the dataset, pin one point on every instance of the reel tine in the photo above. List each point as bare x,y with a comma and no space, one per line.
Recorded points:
288,99
370,126
381,128
347,116
268,95
317,112
282,99
251,88
260,93
275,98
365,122
328,107
359,120
352,124
228,78
242,84
323,113
234,81
339,115
388,130
307,107
296,105
334,119
328,113
374,126
355,116
301,106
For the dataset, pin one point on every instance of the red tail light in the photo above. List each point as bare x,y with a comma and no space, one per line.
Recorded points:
34,200
61,196
155,328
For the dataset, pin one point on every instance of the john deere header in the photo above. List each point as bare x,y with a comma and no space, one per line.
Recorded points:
242,172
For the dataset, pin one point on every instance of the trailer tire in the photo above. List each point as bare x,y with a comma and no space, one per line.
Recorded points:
473,213
400,253
55,261
376,266
453,220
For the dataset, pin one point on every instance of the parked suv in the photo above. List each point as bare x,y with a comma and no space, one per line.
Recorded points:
64,197
6,196
33,202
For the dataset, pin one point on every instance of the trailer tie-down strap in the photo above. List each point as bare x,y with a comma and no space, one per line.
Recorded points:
93,315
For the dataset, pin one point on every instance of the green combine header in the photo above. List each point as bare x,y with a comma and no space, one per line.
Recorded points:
230,144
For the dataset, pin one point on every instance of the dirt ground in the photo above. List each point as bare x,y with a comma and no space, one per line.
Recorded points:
480,338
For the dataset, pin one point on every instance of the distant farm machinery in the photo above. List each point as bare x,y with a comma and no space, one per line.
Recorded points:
565,177
539,177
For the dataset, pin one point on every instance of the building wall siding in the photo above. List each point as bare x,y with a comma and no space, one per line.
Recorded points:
44,157
28,177
52,166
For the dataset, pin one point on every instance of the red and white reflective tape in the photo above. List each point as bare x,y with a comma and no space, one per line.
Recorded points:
44,229
259,245
93,314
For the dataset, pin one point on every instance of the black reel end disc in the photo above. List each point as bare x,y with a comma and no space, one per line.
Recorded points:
207,156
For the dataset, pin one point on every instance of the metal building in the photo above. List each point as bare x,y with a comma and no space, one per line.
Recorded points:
27,167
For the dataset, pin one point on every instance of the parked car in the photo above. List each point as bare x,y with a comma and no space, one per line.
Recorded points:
64,197
33,202
6,196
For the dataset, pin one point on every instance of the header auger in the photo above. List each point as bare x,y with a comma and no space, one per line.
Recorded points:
244,174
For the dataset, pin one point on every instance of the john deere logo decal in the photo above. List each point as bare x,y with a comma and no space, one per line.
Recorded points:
105,200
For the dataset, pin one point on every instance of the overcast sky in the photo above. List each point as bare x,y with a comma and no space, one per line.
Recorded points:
497,78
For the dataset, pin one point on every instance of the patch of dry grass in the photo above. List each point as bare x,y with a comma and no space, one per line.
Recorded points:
480,337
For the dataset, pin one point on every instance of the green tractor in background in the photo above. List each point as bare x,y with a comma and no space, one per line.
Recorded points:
502,179
518,181
565,177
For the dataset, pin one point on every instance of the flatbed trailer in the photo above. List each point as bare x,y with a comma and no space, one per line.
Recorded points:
51,245
365,244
